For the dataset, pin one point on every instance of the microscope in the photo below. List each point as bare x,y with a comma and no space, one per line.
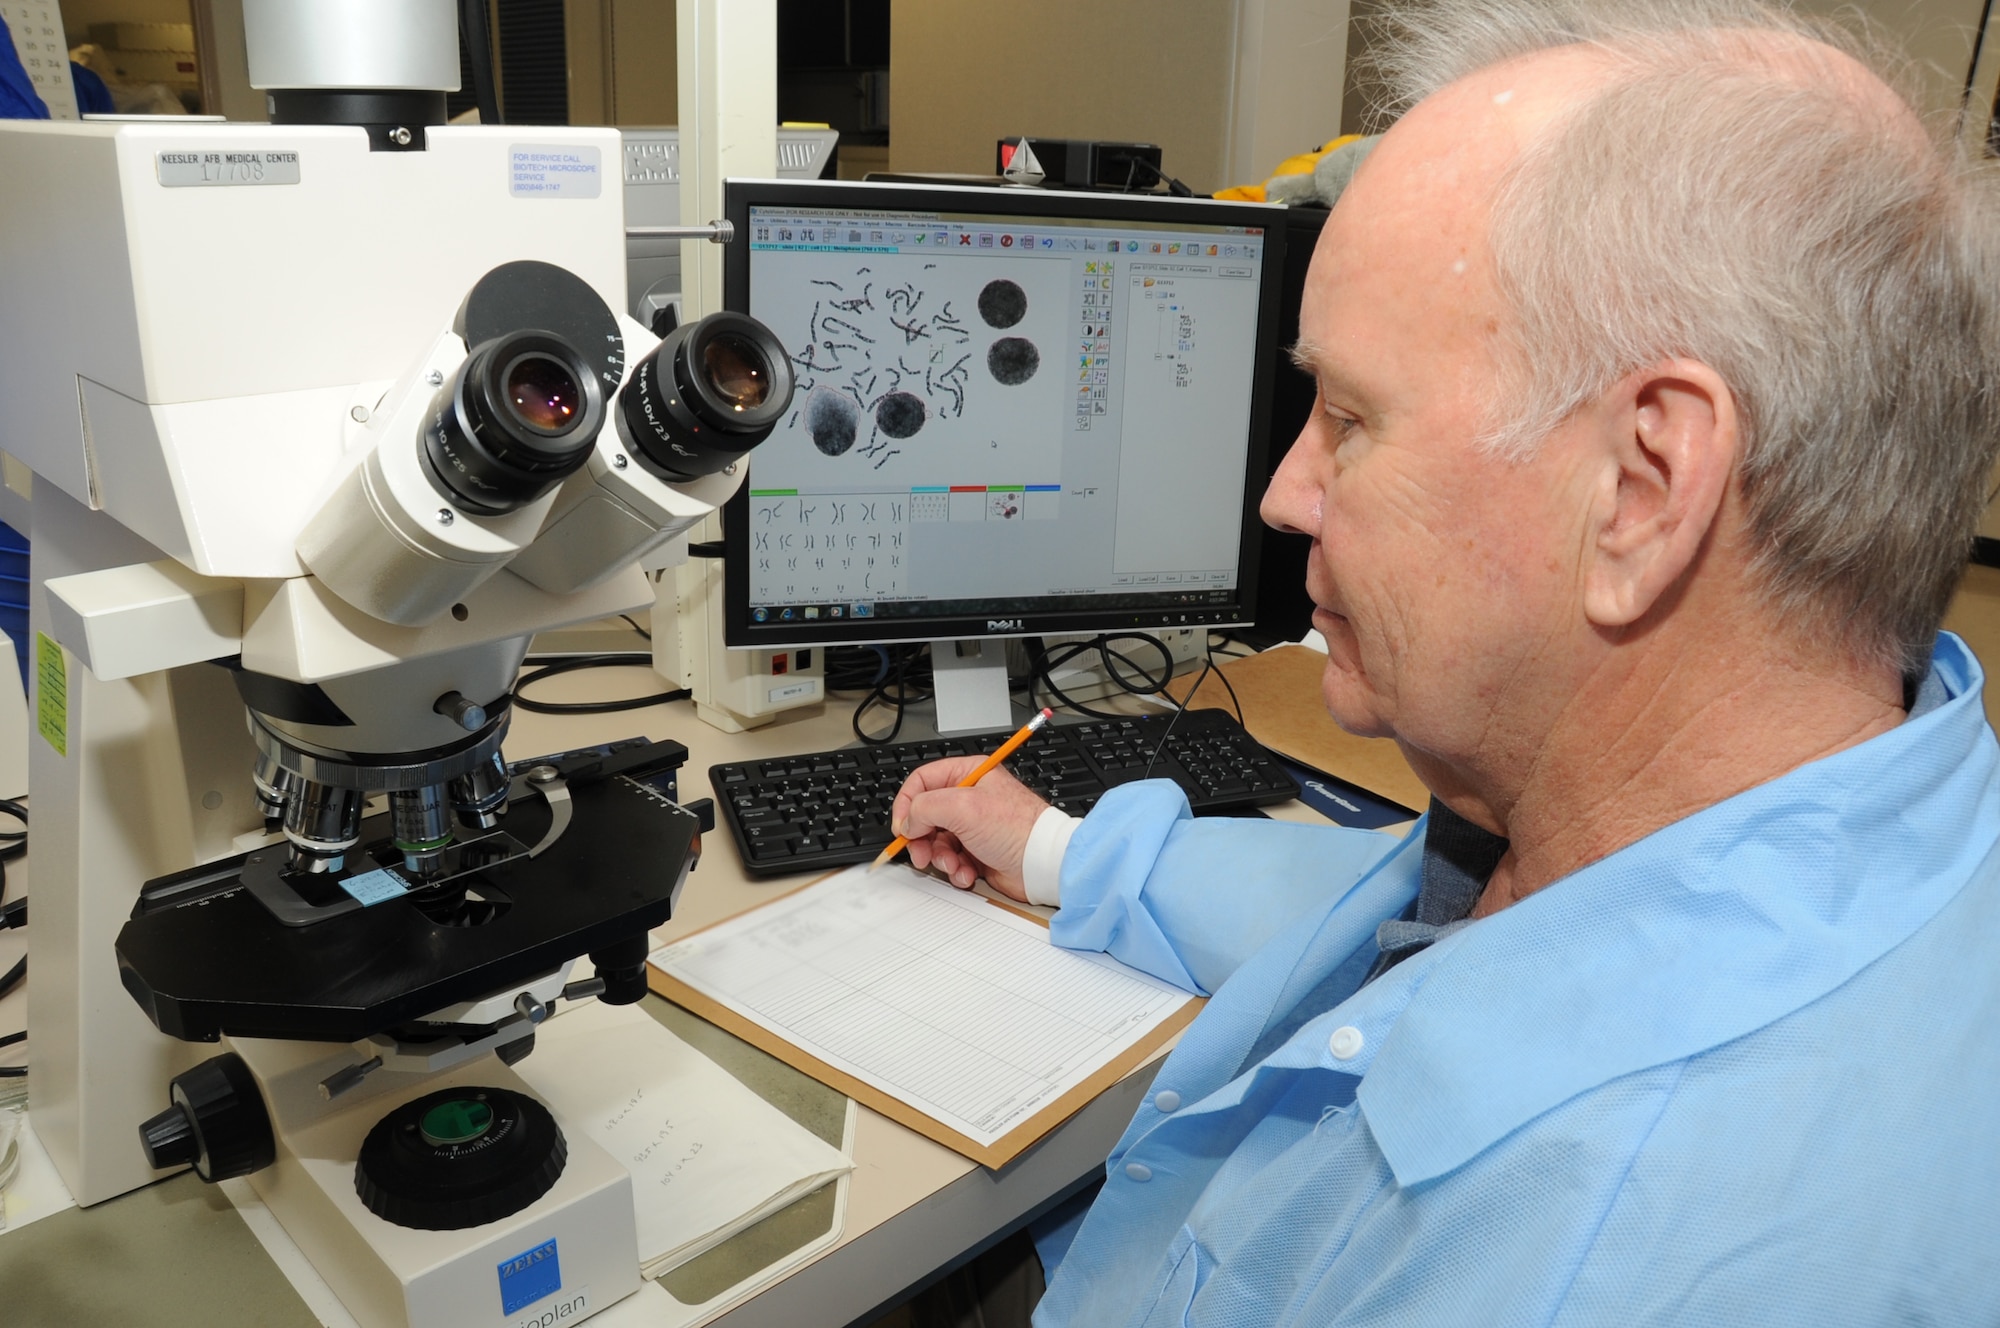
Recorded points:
326,419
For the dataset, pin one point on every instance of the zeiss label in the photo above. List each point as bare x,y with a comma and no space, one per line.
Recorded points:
529,1276
536,170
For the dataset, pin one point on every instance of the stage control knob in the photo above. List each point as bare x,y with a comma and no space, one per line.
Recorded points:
217,1123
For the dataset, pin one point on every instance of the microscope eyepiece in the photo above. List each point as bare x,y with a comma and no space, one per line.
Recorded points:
710,392
736,368
517,419
544,393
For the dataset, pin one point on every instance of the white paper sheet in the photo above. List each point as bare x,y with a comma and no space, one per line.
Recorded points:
939,998
708,1157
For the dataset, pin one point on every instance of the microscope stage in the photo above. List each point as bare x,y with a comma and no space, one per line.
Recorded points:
205,957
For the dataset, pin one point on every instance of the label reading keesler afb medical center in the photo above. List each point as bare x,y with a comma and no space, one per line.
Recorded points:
206,168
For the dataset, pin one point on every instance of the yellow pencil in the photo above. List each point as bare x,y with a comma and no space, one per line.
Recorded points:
981,771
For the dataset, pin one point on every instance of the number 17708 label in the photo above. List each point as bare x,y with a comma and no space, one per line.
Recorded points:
178,170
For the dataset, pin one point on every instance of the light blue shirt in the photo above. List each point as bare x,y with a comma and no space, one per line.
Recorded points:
1744,1071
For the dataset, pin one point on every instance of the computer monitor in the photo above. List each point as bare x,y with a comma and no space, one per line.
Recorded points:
1019,412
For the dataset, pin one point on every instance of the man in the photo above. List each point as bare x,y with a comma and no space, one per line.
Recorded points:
1658,358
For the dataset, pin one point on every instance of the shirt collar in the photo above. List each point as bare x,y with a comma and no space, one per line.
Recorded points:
1700,933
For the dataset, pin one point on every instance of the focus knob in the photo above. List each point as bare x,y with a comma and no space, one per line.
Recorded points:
217,1124
168,1139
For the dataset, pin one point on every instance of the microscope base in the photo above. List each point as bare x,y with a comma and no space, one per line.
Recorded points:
566,1256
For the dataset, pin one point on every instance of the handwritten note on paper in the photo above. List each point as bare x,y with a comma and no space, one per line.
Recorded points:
708,1157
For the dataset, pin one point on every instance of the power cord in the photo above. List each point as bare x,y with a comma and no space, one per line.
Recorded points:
899,685
1043,663
1174,187
1181,708
13,914
592,707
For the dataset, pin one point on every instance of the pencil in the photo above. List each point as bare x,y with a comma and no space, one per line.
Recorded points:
981,771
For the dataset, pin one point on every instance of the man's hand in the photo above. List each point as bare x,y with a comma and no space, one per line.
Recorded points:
968,833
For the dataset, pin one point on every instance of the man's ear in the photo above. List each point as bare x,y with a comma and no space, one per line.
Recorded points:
1670,437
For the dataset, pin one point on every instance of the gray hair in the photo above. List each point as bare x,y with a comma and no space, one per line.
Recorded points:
1838,267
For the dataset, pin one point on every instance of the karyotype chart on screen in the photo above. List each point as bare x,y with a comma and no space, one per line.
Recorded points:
856,547
853,547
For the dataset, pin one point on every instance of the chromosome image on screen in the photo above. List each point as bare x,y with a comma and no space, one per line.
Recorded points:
910,363
992,411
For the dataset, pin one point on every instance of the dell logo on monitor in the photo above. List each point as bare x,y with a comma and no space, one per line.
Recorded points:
1005,624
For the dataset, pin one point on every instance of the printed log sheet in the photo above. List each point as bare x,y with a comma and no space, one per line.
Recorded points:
938,999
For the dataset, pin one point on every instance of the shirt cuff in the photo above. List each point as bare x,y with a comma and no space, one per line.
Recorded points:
1041,865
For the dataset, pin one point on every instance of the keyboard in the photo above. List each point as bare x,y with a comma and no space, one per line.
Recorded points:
827,809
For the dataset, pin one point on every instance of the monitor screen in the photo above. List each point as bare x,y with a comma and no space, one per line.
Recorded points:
1018,412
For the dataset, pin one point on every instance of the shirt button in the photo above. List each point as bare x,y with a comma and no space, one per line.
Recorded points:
1138,1171
1167,1101
1345,1044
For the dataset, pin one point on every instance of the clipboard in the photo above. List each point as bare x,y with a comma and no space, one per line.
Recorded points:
1003,1150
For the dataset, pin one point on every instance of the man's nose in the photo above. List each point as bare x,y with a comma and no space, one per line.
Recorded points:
1291,502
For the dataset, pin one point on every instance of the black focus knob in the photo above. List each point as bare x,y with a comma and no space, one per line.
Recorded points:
217,1124
622,965
168,1139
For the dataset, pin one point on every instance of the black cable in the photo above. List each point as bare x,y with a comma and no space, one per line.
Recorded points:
19,838
476,31
1174,187
1223,678
590,707
14,976
636,627
909,690
12,1038
1043,663
856,668
1972,70
1207,667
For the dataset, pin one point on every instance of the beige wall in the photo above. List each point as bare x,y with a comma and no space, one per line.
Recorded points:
622,64
1937,35
965,73
78,15
1291,56
645,67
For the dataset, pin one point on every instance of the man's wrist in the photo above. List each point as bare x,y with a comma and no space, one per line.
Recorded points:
1041,865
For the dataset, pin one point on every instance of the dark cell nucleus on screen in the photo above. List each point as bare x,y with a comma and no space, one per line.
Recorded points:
832,420
1013,361
900,414
1003,303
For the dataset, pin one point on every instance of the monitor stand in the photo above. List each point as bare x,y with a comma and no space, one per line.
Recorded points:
970,681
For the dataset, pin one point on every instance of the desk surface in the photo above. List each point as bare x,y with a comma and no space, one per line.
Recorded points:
176,1253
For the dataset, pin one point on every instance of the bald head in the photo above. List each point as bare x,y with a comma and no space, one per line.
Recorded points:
1603,186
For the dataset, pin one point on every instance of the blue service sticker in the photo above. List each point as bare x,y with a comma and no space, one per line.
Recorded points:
529,1276
376,887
